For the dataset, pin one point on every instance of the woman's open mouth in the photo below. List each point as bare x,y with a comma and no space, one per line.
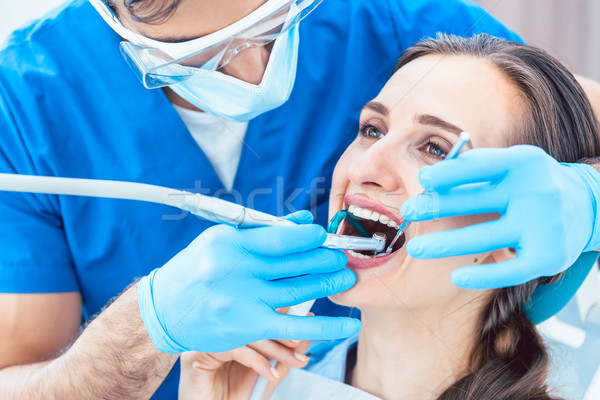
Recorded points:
374,218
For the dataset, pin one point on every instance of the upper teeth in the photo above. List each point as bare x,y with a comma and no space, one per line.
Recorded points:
372,215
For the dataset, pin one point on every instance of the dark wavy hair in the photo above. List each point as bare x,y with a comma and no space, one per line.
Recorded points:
509,360
147,11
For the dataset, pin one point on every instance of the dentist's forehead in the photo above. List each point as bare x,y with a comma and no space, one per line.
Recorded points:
190,19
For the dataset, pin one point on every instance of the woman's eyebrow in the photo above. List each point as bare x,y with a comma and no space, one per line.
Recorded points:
378,108
432,120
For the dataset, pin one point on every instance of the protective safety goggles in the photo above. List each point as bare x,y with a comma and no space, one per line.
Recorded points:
158,64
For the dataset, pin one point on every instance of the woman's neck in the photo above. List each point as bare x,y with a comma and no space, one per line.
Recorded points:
414,355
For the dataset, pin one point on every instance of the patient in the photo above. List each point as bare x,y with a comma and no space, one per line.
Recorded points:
422,337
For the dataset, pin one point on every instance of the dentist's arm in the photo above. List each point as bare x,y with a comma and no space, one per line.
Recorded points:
113,359
592,90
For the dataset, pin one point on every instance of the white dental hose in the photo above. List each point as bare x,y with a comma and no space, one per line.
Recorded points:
208,207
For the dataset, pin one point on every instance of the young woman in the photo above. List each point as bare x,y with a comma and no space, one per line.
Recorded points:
422,337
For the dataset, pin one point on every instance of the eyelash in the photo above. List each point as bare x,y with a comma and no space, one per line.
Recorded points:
364,131
427,146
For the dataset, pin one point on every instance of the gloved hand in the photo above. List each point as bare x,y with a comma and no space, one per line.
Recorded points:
548,213
221,292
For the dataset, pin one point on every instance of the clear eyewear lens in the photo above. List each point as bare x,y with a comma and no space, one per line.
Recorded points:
156,69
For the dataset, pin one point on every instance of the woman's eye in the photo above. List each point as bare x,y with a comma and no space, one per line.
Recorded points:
435,150
371,131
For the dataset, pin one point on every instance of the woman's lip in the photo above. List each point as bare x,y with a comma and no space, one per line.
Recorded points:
352,199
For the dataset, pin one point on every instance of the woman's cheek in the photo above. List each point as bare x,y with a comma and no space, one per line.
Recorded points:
340,182
451,223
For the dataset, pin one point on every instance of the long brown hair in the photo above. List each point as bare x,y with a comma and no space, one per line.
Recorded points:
509,360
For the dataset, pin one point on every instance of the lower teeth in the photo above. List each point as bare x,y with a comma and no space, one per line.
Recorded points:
358,255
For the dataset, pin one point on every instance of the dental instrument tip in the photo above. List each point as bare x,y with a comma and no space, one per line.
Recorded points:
382,239
463,139
398,234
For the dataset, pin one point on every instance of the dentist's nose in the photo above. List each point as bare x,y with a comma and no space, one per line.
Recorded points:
249,65
376,169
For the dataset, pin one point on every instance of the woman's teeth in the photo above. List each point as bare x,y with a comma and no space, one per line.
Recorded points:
372,215
358,255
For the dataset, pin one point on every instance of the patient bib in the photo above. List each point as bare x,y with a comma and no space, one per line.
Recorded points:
303,385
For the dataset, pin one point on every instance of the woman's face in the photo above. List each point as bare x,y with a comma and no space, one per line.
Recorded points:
414,122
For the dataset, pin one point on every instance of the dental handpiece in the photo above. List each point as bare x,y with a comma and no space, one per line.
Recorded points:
463,139
207,207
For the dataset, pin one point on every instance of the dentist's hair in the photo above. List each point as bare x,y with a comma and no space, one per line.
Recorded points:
509,359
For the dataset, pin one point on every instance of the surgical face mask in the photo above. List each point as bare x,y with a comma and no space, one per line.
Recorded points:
187,66
226,96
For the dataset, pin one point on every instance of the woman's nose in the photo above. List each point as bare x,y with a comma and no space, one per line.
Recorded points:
249,65
376,169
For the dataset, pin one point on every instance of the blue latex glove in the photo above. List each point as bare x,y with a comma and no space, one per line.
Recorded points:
548,213
221,292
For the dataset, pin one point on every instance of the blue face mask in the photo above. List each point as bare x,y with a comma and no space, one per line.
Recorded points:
228,97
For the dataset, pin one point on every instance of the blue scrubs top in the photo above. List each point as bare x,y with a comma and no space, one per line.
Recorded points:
70,106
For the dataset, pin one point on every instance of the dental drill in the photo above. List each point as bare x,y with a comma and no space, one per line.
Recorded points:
207,207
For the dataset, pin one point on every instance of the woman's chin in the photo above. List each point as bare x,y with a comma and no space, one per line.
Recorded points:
373,276
365,293
348,299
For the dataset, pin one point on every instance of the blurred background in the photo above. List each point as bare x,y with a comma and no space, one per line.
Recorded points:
567,28
570,29
14,13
